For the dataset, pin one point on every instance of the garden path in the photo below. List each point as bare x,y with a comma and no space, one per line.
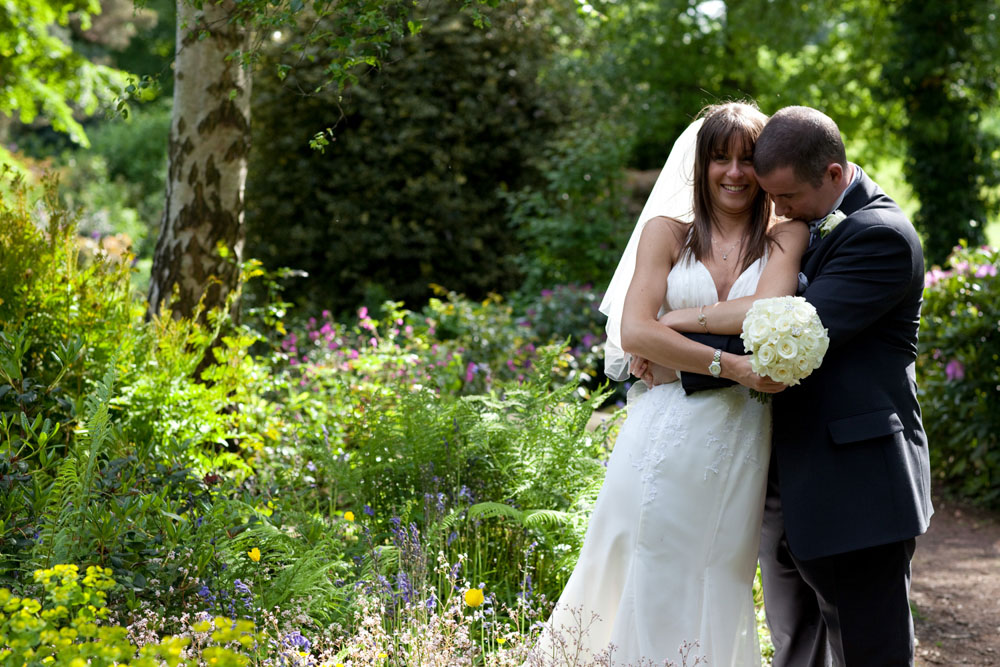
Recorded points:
955,592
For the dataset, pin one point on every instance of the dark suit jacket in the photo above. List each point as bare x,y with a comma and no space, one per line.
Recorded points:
849,451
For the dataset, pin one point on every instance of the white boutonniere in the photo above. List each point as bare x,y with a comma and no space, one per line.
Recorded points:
830,223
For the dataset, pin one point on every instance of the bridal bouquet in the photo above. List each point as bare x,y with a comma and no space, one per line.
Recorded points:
785,338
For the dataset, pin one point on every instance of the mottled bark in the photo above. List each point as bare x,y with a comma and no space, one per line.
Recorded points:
207,163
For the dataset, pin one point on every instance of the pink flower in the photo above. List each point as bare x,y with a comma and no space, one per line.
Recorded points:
353,354
373,342
470,372
986,270
362,313
962,267
934,276
326,314
954,370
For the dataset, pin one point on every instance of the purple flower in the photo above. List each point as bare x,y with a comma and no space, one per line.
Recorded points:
470,372
241,588
954,370
297,641
986,270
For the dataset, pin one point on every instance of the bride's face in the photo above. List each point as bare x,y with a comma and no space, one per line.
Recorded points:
732,183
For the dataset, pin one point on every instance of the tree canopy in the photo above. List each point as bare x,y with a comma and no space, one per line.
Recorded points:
41,74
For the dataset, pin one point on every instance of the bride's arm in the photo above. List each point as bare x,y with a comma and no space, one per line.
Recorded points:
641,334
779,278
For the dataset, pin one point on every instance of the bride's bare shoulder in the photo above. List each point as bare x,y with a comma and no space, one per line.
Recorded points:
669,229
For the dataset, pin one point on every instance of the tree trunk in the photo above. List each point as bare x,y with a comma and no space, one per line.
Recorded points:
207,164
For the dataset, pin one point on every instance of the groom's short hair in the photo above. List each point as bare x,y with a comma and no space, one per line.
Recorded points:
802,138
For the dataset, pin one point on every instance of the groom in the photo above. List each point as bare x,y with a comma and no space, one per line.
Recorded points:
849,481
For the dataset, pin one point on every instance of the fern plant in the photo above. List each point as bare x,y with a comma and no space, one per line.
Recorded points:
68,497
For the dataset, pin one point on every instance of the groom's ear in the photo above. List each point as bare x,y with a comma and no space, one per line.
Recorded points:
836,172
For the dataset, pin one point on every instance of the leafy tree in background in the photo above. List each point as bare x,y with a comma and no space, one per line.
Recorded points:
675,56
945,68
200,246
41,75
409,193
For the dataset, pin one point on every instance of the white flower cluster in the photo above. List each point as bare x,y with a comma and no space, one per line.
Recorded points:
785,338
830,222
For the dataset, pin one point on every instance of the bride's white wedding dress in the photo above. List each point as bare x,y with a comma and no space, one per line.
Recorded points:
671,548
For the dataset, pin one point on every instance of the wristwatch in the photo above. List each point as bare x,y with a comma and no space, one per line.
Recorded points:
715,368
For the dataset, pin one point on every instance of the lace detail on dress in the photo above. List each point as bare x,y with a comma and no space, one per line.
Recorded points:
672,431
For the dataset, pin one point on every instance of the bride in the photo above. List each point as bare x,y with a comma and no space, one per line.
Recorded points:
671,549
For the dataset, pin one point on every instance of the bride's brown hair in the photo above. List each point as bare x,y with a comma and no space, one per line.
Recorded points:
741,121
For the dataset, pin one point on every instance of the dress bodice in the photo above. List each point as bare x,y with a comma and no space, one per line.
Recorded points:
690,284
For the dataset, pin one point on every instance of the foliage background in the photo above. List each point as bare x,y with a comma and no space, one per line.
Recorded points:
426,387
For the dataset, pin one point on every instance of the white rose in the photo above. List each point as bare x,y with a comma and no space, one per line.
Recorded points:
765,354
784,322
787,348
758,330
782,374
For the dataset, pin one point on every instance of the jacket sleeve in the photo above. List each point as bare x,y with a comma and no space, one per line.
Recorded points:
692,382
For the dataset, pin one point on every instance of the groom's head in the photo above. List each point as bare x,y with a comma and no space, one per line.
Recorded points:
800,161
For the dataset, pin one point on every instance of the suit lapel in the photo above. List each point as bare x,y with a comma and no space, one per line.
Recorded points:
859,196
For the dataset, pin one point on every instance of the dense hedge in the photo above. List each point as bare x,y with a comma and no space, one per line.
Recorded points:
959,372
409,191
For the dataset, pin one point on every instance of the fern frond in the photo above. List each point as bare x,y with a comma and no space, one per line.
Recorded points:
488,509
540,518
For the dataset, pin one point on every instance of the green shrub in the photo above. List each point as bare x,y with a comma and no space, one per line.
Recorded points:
573,226
107,432
408,192
959,372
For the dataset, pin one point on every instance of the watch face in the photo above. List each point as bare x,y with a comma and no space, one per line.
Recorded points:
715,368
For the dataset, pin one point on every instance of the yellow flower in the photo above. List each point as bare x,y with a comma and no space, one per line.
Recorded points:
349,516
501,640
474,597
254,554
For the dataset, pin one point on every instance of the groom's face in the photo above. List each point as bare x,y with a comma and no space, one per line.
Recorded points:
801,200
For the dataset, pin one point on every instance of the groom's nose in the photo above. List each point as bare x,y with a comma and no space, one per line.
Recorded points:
779,208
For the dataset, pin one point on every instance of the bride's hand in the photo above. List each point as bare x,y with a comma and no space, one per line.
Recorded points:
737,367
640,368
650,373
